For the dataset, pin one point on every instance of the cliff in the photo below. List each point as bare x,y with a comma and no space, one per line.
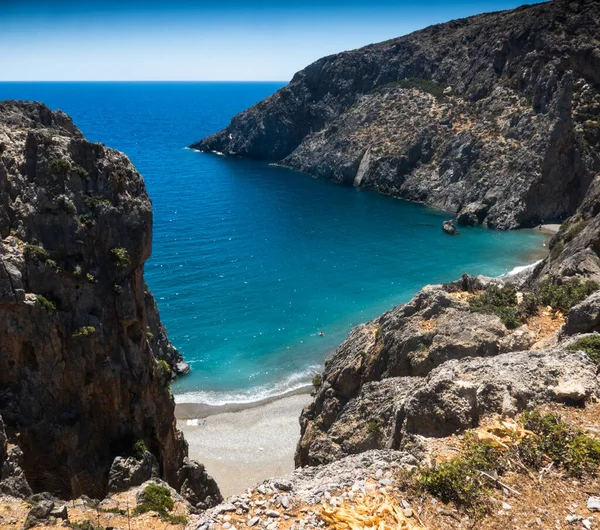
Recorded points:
493,117
85,362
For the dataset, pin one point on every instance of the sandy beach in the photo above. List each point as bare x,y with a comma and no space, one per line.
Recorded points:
243,444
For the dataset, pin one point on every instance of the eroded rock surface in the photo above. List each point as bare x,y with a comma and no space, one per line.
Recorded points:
492,117
84,358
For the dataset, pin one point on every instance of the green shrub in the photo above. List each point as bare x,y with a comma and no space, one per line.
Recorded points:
156,499
139,448
94,202
165,370
374,428
120,256
82,172
460,480
90,278
317,380
557,249
85,331
499,301
66,205
590,345
35,253
149,335
574,230
86,220
424,85
77,270
85,525
564,294
60,166
45,303
117,288
557,442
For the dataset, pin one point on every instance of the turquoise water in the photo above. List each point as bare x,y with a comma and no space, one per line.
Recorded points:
252,261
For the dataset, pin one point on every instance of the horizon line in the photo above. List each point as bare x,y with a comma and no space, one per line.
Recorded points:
144,81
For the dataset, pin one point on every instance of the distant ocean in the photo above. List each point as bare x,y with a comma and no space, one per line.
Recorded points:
251,262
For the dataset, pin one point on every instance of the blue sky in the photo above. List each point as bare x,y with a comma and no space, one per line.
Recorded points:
201,40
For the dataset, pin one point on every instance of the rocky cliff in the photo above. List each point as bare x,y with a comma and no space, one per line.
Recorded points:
493,117
85,362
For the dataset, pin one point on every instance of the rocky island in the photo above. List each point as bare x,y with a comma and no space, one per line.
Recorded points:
475,405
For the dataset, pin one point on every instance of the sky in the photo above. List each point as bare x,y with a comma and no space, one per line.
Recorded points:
226,40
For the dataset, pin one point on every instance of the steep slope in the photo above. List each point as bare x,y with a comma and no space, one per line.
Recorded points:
84,359
494,117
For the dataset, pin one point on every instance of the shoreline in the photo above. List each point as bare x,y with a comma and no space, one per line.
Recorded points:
192,410
243,447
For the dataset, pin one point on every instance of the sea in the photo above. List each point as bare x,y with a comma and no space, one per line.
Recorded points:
260,272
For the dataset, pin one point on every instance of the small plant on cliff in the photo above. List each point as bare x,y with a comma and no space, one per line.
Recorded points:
557,249
86,220
590,345
35,253
117,288
90,278
120,256
77,270
85,525
82,172
60,166
66,205
374,429
164,369
45,303
157,499
95,202
317,381
139,448
85,331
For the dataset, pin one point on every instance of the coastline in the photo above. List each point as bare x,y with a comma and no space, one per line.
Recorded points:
244,444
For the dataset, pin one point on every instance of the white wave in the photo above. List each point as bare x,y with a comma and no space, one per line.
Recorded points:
522,268
251,395
218,153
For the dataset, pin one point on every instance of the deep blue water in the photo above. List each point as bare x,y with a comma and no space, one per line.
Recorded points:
251,261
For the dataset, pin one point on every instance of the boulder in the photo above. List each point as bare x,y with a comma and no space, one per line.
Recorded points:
584,317
472,214
13,481
38,514
126,473
197,486
449,227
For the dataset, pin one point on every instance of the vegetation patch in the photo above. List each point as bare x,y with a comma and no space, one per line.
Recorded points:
374,429
139,448
157,499
45,303
95,202
499,301
120,257
564,294
85,331
85,525
424,85
35,253
317,380
467,480
589,345
164,369
81,171
86,220
66,205
60,166
557,249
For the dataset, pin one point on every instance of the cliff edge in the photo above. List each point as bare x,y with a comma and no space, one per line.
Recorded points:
85,362
492,117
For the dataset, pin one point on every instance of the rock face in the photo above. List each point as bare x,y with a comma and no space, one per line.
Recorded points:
492,117
80,377
431,368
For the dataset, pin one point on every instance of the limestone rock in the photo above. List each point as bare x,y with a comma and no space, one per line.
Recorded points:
197,486
81,333
449,227
512,143
584,317
126,473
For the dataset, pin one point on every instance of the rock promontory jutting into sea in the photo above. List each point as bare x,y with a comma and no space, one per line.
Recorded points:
492,117
473,405
85,362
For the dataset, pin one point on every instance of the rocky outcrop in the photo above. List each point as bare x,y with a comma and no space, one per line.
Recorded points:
84,359
492,117
434,367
